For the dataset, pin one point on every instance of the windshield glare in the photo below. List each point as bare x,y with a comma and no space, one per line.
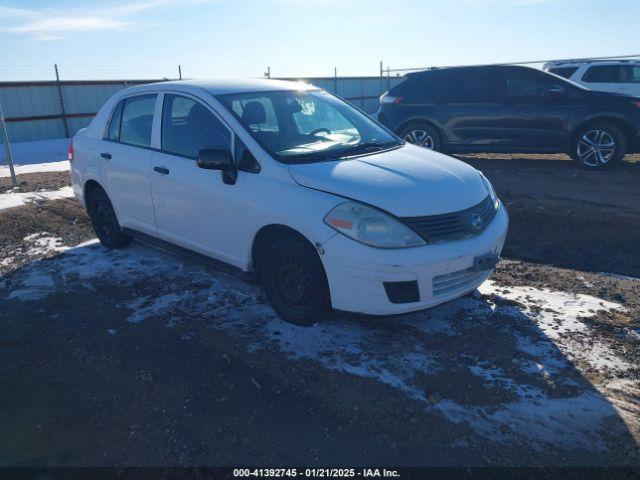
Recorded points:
307,125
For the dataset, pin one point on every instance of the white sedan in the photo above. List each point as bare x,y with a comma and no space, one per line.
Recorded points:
287,182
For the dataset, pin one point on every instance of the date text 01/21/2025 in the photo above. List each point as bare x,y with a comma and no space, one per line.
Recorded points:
315,473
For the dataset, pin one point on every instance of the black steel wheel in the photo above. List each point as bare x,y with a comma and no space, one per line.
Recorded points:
295,282
104,220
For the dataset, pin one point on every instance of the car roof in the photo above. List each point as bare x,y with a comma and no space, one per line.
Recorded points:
230,86
468,68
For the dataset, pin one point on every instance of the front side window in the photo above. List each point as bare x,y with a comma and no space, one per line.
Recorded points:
529,87
137,120
307,125
188,126
602,74
630,74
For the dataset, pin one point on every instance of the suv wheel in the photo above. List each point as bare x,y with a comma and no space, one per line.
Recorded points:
295,282
423,135
104,220
599,146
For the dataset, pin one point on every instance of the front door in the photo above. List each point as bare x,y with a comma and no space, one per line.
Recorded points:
194,208
535,113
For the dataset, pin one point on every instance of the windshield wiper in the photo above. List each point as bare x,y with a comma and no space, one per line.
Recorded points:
365,147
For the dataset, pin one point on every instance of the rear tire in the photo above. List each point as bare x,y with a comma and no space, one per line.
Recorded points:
295,282
598,146
423,135
104,220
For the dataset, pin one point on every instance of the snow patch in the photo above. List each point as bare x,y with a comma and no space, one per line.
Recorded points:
17,199
62,166
525,345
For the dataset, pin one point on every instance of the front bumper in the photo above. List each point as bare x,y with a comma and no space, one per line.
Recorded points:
357,273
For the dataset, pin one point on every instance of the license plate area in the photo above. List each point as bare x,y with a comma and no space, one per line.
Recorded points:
485,262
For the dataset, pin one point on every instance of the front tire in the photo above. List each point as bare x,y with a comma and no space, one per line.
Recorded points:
104,220
599,146
295,282
422,135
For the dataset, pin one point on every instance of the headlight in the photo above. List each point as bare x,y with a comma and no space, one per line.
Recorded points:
371,226
491,191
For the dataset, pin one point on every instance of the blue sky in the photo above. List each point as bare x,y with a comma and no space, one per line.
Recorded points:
149,38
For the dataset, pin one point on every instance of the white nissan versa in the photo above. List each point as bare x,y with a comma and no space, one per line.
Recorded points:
284,180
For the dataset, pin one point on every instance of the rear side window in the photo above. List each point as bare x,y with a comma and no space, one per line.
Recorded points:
470,86
188,126
603,74
137,120
564,72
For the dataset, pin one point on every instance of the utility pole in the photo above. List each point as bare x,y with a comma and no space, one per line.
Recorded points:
7,149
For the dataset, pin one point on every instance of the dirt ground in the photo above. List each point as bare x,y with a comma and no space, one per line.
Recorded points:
134,357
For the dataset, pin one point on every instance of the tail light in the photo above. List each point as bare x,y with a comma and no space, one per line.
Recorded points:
71,151
387,99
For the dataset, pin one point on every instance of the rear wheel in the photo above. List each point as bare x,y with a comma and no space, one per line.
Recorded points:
104,220
598,146
423,135
295,282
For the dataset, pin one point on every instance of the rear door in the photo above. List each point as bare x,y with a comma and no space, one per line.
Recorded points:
124,158
533,116
194,208
469,103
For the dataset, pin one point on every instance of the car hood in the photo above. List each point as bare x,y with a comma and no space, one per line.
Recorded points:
409,181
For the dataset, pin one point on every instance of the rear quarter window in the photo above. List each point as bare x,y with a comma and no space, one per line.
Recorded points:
417,90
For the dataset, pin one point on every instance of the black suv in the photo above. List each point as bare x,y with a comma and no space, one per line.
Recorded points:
512,109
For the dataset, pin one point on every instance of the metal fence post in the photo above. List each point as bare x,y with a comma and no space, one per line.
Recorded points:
381,78
335,80
180,72
267,74
7,149
60,97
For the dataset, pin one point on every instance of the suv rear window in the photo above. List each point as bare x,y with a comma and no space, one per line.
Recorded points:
564,72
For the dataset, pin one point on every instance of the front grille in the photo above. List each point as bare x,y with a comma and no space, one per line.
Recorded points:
459,281
453,226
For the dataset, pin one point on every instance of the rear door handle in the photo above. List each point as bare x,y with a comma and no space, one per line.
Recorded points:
162,170
106,155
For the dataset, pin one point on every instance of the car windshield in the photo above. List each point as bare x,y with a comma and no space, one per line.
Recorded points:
302,126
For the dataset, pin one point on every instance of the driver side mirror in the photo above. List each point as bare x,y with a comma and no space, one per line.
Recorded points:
218,158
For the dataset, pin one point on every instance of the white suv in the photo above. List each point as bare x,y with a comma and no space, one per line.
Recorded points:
283,180
619,76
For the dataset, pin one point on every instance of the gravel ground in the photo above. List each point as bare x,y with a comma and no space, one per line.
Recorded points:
134,357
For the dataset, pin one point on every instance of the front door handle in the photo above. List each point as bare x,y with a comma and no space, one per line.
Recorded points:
162,170
106,155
